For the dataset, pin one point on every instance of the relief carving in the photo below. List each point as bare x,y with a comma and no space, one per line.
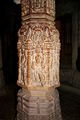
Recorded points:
38,68
38,47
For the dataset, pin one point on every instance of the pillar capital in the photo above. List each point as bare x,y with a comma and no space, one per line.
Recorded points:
37,11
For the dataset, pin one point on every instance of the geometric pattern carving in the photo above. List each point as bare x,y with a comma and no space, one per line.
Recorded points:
32,107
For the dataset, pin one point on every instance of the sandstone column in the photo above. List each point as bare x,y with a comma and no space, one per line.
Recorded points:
38,71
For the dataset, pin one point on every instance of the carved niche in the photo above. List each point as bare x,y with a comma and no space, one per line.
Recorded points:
38,45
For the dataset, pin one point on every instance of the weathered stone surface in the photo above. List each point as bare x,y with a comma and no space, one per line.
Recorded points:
38,45
38,72
31,107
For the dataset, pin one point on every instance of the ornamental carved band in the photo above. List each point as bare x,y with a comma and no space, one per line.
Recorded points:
38,45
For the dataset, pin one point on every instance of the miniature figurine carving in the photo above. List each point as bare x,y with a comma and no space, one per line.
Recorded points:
38,67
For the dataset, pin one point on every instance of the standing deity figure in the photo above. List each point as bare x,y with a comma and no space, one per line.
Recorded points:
38,69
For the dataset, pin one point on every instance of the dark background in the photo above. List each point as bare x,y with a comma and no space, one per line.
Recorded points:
68,23
10,22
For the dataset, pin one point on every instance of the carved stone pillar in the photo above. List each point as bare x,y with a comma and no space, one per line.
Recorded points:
38,72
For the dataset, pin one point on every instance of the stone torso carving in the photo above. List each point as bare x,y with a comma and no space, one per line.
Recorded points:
38,45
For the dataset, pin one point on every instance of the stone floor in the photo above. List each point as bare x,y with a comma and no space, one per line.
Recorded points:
70,104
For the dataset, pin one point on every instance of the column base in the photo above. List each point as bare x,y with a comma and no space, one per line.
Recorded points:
40,104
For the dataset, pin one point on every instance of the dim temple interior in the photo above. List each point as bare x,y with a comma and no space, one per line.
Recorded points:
67,22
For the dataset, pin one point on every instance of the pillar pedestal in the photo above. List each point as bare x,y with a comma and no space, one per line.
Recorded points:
38,104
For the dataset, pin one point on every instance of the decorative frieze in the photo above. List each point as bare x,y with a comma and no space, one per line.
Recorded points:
35,11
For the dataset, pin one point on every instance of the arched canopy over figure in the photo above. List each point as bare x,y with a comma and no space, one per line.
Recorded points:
38,45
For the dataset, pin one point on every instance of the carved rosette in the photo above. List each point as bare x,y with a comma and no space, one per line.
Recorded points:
38,45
